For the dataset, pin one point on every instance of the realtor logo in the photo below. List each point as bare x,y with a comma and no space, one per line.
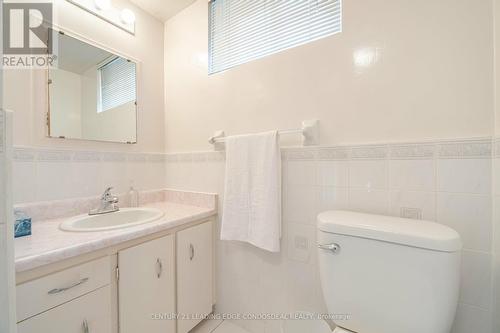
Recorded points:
28,35
26,28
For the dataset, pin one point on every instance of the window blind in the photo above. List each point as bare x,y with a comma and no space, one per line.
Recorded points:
245,30
118,85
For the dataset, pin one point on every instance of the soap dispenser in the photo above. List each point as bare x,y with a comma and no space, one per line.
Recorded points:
133,196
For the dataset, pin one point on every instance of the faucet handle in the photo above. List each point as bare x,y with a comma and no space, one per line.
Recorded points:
107,192
108,203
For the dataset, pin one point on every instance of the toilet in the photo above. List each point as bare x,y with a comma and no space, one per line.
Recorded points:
383,274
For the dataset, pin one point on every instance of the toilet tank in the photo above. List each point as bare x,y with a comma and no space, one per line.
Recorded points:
383,274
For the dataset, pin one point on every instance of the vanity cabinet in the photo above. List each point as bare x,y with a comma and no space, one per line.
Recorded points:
74,300
90,313
194,275
45,293
137,286
146,287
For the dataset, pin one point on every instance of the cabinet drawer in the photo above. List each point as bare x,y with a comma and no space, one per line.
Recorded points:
89,313
39,295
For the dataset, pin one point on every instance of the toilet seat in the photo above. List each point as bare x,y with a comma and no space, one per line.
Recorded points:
341,330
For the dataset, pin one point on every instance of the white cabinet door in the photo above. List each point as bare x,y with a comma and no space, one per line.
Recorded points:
146,287
90,313
194,275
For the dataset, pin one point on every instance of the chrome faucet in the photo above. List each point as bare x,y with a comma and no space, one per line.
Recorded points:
109,204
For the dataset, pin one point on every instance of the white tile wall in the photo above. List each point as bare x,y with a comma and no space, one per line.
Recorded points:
25,173
447,182
368,174
472,319
369,200
476,279
299,204
330,197
464,175
333,173
425,202
496,238
470,215
41,174
302,173
412,175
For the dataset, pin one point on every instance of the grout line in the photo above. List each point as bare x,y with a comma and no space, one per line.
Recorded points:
436,184
216,327
475,251
475,307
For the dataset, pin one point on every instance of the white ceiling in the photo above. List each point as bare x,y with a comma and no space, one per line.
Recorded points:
77,56
163,9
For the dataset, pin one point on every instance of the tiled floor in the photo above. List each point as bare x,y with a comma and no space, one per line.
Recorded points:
217,326
220,326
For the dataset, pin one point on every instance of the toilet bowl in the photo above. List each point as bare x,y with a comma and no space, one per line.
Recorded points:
383,272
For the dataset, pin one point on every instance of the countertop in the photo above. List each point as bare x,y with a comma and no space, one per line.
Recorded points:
48,244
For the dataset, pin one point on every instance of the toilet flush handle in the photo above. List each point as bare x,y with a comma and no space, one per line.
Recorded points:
334,247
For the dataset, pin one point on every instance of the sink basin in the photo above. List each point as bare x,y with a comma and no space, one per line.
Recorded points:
124,218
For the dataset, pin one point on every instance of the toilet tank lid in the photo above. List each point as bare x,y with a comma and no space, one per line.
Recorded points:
416,233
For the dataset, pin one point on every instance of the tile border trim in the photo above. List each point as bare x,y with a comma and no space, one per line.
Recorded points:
33,154
441,149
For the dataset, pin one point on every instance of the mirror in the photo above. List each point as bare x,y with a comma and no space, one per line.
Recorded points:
92,94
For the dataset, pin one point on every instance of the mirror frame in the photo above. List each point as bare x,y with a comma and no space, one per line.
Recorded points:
81,38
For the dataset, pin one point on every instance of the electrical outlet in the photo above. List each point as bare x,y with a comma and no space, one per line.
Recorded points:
411,213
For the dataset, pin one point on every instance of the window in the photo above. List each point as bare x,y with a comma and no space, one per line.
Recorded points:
245,30
117,84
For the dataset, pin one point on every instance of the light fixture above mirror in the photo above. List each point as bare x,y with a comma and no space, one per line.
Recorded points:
123,18
127,16
102,4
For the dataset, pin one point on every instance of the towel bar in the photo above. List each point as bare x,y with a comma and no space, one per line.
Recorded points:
309,130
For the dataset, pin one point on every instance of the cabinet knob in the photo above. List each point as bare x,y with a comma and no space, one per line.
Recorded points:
159,267
191,251
85,326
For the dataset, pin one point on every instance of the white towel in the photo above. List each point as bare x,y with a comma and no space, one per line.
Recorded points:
252,194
